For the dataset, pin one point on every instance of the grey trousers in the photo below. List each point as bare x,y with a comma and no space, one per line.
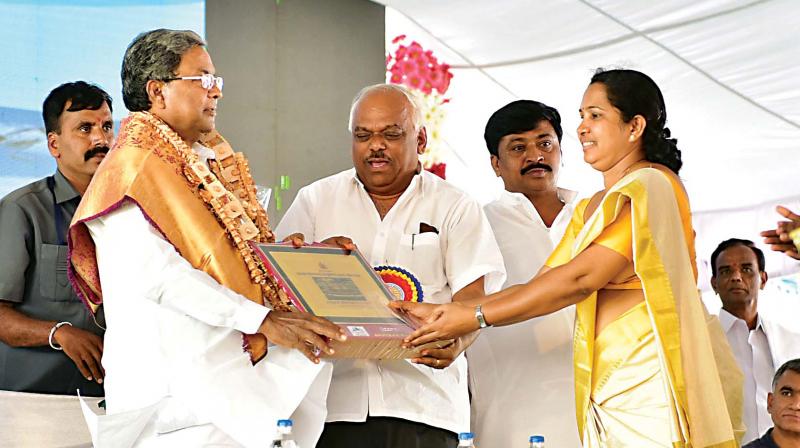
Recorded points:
385,432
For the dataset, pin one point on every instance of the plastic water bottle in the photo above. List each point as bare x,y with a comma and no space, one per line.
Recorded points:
284,439
465,440
536,442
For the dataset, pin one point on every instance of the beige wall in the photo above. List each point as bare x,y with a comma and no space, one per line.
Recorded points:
291,69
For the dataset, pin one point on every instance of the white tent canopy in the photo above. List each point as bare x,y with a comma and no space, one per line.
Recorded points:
729,72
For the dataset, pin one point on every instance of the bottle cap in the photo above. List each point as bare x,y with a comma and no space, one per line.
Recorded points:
535,439
284,423
466,436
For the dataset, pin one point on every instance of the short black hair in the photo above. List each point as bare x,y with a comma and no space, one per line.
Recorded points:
737,242
517,117
793,365
80,94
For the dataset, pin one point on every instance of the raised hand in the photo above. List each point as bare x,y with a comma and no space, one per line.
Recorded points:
778,239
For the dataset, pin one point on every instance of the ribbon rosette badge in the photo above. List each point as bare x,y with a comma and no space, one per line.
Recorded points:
402,284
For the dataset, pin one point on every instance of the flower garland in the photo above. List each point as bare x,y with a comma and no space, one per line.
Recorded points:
428,79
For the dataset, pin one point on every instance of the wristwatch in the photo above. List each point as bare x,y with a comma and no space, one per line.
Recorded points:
479,316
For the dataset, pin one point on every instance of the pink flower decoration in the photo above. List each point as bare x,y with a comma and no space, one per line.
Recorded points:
417,68
427,88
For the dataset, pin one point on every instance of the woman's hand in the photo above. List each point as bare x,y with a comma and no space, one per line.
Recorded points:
439,322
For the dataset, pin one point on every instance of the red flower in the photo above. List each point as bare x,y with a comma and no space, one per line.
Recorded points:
438,169
398,38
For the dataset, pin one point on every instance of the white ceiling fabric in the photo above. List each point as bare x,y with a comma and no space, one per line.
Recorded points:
729,71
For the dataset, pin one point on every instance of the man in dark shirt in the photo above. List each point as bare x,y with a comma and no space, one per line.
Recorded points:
783,404
49,342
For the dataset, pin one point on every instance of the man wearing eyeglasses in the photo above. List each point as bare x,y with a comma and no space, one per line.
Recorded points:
162,241
399,215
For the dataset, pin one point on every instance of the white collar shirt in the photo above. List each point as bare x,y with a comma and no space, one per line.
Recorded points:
523,237
462,251
173,346
752,351
521,375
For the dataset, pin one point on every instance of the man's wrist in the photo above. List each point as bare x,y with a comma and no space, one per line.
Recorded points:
51,339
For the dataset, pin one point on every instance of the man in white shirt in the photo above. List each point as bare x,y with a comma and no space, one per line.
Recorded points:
398,214
521,375
760,345
161,241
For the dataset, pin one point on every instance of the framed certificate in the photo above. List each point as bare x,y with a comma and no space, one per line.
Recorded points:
342,287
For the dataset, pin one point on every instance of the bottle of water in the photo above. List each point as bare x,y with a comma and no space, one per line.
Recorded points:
284,438
536,441
465,440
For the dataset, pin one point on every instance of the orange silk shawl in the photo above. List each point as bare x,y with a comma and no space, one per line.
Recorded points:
145,169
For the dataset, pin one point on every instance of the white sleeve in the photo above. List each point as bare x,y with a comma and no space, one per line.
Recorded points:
472,250
136,262
299,218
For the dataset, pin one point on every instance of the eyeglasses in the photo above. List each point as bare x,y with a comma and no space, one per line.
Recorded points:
207,80
390,134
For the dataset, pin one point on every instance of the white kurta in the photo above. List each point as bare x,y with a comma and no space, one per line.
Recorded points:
521,375
176,372
759,352
462,251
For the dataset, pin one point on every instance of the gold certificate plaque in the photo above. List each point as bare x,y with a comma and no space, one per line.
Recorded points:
342,287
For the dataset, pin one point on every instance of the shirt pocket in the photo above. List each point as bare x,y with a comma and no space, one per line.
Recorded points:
421,254
53,279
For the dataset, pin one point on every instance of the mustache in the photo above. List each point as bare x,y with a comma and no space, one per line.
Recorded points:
377,155
534,166
95,151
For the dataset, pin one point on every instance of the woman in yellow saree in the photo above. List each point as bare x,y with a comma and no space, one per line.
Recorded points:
647,356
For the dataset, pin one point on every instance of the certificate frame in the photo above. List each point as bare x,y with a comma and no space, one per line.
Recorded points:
344,288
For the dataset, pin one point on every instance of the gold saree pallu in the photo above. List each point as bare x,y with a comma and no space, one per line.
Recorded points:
702,409
210,216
